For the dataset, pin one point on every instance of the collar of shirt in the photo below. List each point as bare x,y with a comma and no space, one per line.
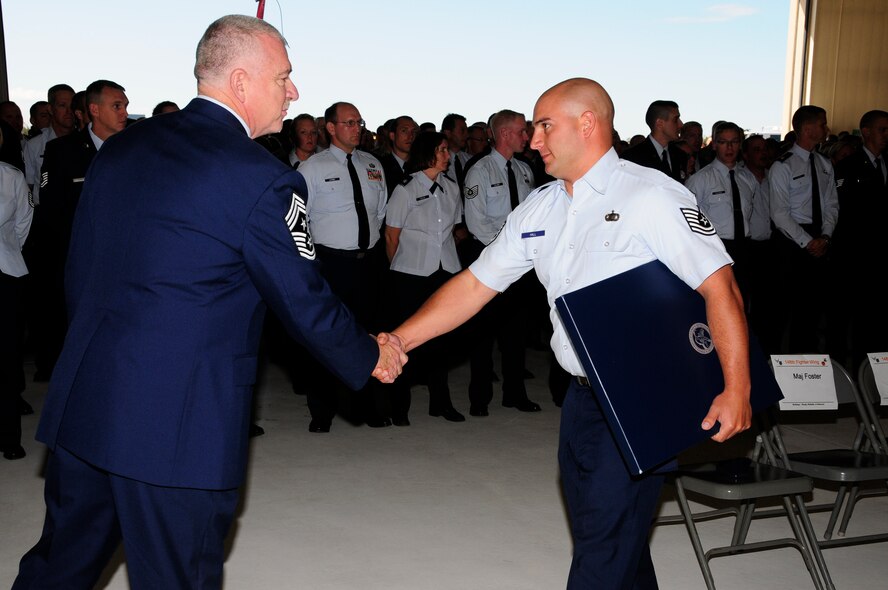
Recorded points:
743,166
399,160
722,170
500,161
800,152
426,184
340,154
230,110
97,141
658,147
597,177
870,155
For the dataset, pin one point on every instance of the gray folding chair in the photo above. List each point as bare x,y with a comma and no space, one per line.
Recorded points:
870,396
849,467
870,438
745,481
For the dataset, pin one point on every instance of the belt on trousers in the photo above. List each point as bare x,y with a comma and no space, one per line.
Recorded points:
357,254
582,380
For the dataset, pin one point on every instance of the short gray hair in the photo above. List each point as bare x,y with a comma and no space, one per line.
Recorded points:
227,38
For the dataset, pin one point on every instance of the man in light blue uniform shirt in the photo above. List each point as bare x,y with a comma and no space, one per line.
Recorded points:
602,217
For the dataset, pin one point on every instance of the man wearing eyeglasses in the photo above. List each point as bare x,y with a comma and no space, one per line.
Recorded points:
719,188
346,207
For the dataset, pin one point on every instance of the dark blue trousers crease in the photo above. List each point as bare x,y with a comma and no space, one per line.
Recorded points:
610,511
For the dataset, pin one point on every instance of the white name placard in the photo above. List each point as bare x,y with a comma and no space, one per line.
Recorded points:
806,381
879,362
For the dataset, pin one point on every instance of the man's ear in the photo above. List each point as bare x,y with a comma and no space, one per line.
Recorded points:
239,80
588,123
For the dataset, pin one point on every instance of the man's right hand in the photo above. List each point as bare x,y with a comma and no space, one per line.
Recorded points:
392,357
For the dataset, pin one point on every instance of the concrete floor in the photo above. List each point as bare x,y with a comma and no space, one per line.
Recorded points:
438,506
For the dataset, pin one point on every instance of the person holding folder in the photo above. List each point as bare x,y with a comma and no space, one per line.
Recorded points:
602,217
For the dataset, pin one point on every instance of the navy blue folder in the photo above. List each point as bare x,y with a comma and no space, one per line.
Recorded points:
644,343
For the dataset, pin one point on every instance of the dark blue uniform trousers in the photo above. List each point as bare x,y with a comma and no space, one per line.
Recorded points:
610,510
172,537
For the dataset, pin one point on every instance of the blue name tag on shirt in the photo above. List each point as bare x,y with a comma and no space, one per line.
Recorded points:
718,193
331,179
533,234
797,177
497,184
422,198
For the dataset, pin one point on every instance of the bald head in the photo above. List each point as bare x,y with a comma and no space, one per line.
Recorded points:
573,125
578,95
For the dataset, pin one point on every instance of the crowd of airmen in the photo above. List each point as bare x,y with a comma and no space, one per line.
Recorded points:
394,213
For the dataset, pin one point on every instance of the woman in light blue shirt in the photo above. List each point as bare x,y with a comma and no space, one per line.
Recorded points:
15,222
420,245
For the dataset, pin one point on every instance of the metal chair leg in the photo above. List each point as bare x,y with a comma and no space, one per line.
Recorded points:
812,542
692,532
804,542
744,518
849,509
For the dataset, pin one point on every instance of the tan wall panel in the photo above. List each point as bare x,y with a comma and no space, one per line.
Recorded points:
847,59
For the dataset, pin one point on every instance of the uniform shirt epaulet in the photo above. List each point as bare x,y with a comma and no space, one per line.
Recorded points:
784,156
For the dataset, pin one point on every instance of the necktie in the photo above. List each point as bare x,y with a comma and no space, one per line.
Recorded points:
435,186
666,168
513,186
880,171
739,228
363,224
816,216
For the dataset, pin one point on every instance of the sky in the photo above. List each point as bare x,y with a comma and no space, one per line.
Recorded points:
718,61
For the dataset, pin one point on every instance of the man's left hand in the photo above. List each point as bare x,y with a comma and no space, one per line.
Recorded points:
733,413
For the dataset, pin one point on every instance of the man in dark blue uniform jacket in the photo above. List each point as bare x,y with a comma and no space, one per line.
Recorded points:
185,226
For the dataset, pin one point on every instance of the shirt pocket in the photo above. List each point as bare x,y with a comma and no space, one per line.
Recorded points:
333,195
800,186
536,245
498,203
607,242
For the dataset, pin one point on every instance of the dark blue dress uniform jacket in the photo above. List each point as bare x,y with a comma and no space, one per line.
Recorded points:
179,236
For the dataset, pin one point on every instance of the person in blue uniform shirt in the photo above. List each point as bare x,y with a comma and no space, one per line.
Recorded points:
16,214
174,251
602,217
761,312
805,210
714,188
419,241
346,206
495,184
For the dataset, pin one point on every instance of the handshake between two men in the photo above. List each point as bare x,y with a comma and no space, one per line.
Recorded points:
392,357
